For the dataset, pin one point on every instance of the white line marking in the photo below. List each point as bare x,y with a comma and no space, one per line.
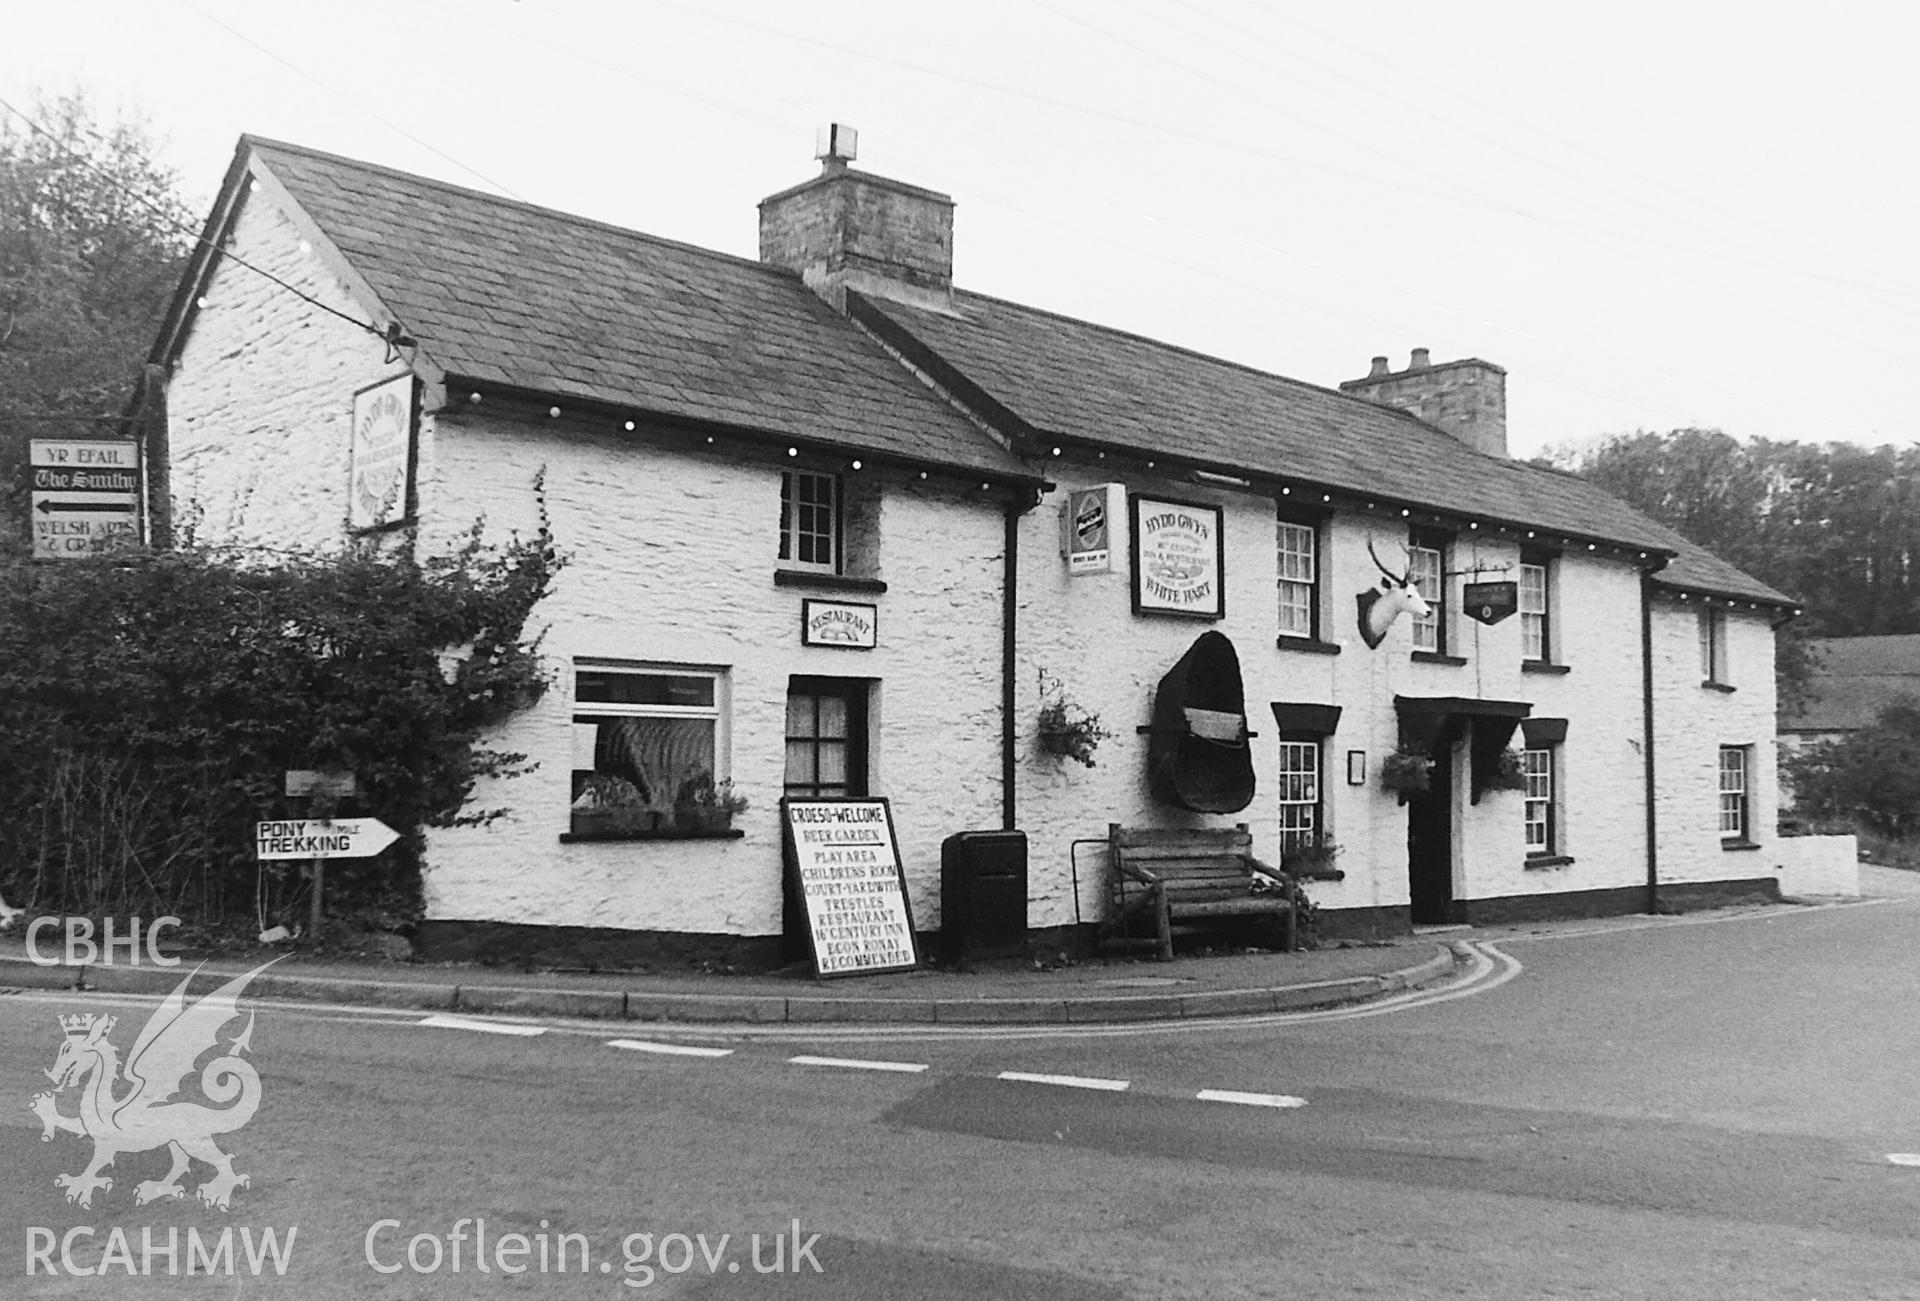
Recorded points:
1903,1158
1251,1099
860,1064
669,1050
1066,1081
485,1027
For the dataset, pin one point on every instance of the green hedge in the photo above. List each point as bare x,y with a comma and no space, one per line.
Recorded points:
150,706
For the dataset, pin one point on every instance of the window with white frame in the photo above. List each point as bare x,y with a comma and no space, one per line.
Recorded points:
1426,562
1538,766
810,523
1535,628
1713,646
1299,579
1734,822
1299,794
645,737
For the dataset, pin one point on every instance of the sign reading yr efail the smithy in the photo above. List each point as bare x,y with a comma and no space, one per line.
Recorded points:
845,866
1179,559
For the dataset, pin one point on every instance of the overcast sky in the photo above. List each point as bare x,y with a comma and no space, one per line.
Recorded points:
1652,215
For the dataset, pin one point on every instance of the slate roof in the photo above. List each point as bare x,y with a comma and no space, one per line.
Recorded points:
1105,387
1853,680
503,292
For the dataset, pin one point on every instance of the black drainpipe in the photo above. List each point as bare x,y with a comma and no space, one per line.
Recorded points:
1009,643
1646,679
1009,652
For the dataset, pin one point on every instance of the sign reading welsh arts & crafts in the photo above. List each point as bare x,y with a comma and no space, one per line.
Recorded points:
845,867
1179,559
381,457
86,496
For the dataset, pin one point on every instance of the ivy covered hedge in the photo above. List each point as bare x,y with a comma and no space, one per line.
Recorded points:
150,706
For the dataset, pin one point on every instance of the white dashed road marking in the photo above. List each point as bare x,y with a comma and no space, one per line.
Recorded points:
669,1050
485,1027
860,1064
1066,1081
1251,1099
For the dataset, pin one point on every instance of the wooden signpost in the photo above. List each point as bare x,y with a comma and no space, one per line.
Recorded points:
317,839
844,863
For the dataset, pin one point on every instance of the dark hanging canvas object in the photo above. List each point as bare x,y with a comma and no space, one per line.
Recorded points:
1197,755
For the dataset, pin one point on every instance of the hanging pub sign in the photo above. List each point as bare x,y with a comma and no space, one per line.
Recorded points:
381,456
1179,559
1490,602
850,625
1086,528
844,865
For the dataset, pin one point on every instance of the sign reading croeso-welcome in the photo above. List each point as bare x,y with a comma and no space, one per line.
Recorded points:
844,863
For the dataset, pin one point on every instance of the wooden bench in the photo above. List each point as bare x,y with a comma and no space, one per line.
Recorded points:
1191,876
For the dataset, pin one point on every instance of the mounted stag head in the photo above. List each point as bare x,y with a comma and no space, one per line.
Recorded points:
1380,606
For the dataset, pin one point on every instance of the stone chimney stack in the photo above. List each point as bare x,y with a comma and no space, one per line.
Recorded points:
1467,398
850,230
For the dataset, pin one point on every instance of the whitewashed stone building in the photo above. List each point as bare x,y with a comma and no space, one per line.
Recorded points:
821,516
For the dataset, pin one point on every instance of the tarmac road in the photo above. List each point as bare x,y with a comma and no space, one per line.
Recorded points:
1667,1108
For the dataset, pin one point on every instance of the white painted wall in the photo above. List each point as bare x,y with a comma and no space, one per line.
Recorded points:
672,552
1813,866
1692,722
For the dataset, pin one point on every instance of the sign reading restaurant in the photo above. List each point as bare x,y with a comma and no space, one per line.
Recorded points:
1179,559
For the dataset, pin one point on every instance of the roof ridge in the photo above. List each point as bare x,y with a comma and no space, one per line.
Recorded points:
561,214
1245,367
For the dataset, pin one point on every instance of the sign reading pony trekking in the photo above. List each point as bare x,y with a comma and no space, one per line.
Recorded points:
1179,559
844,863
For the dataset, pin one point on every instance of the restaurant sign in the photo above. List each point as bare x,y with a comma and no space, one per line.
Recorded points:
849,625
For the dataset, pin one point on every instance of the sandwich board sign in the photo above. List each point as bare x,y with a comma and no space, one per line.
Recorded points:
86,496
844,864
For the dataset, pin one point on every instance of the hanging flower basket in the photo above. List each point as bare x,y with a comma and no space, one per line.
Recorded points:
1509,773
1070,732
1406,773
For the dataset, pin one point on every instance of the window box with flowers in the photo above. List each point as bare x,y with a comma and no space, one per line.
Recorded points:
1312,860
704,805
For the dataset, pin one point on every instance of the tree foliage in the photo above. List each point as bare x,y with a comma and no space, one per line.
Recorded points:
1833,525
92,243
150,706
1871,779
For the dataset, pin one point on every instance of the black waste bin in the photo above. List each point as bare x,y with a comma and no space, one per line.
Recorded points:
983,896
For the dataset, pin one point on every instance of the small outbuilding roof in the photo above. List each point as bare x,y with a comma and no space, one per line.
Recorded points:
1854,678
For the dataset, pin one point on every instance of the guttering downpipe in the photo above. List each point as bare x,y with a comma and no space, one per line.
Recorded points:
1646,690
1009,646
1010,655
